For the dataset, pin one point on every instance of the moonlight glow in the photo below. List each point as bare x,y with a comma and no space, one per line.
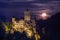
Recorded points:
44,16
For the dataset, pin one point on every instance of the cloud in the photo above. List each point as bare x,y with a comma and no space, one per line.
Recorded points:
52,6
52,3
22,0
55,2
17,0
49,7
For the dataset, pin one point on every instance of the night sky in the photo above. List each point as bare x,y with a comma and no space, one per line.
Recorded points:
16,8
9,8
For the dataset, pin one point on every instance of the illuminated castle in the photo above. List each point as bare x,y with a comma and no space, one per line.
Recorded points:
27,15
26,19
27,25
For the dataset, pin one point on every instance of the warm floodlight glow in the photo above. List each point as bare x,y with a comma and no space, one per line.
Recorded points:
29,33
23,26
37,37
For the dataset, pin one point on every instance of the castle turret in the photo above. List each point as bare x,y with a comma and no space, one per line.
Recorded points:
27,15
13,19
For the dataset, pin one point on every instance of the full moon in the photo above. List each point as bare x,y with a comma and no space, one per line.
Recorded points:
43,16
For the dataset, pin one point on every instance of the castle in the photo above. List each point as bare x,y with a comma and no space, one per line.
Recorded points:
27,24
27,19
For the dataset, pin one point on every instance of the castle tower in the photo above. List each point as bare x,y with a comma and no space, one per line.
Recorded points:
27,15
13,20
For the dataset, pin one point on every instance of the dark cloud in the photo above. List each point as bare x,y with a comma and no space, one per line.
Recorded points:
53,6
17,0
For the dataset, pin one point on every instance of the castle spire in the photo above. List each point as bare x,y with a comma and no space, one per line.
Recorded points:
27,15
